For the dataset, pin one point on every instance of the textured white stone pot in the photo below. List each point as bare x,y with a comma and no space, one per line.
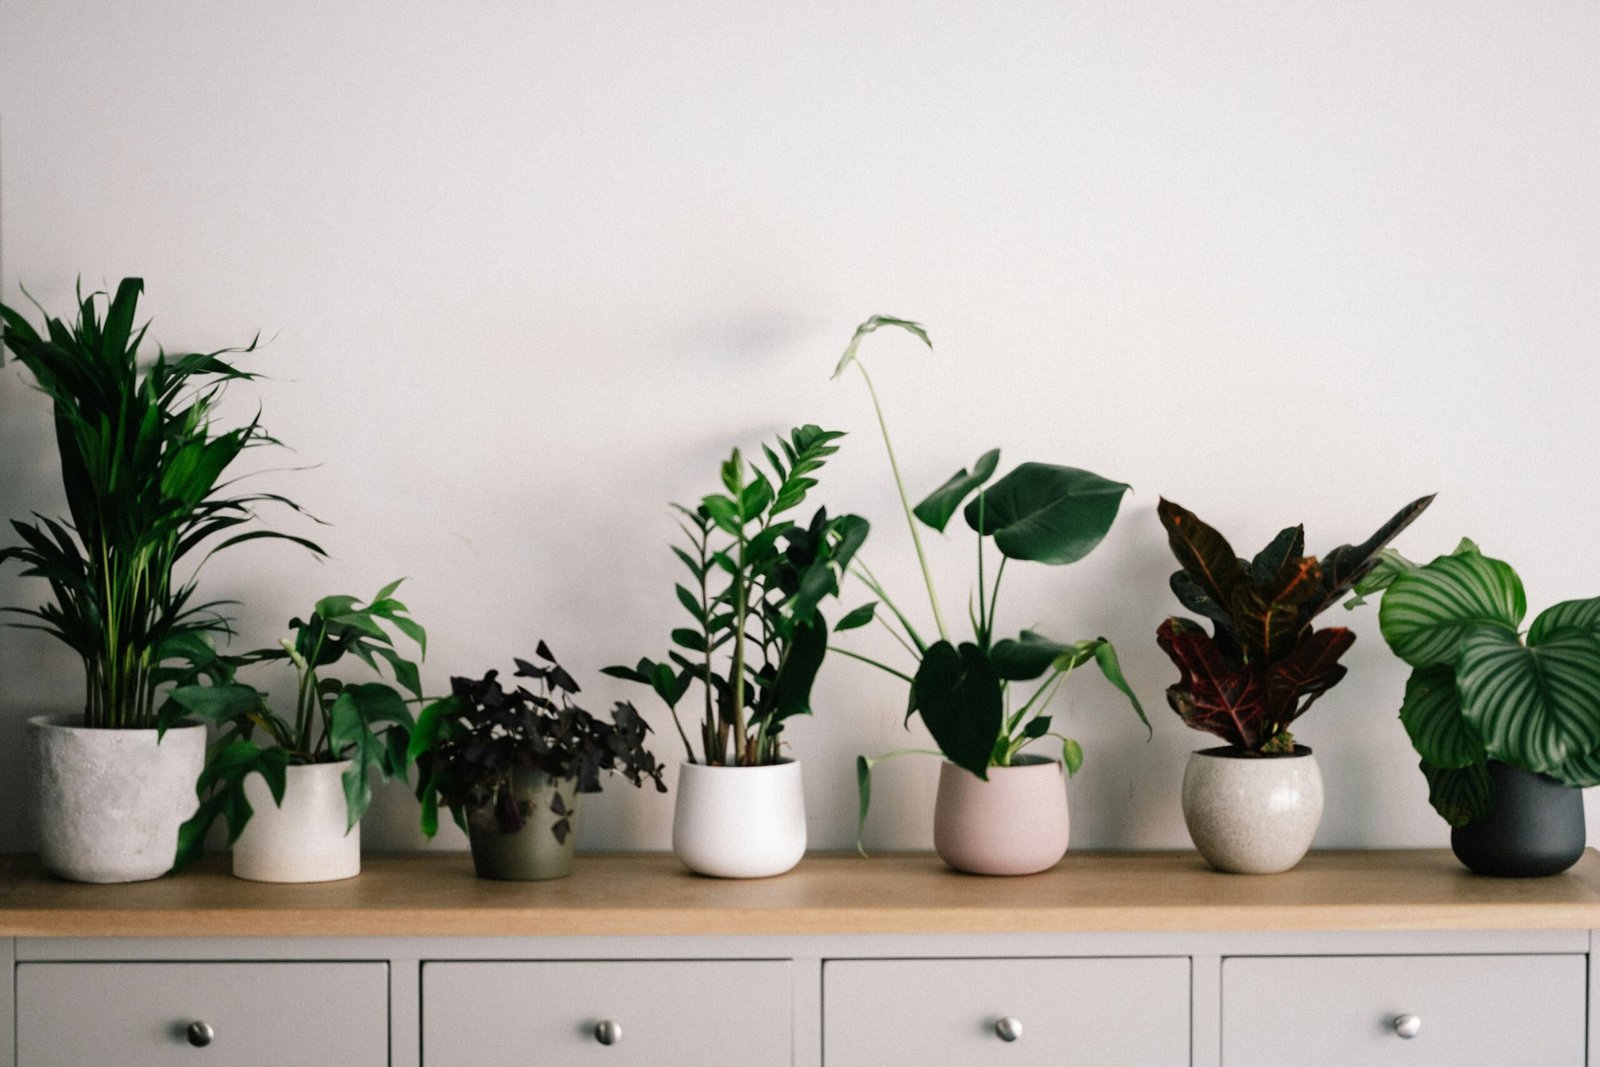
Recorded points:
1013,823
109,802
304,840
739,822
1252,814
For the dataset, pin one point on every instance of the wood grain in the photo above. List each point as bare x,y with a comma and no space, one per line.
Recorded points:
436,894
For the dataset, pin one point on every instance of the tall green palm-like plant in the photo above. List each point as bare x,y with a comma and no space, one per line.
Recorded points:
142,466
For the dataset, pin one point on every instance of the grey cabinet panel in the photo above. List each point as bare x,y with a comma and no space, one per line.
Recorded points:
711,1013
1340,1011
266,1014
949,1012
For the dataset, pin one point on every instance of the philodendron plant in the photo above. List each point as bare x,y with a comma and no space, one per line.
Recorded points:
367,723
1263,666
757,582
469,746
143,467
1480,688
1037,512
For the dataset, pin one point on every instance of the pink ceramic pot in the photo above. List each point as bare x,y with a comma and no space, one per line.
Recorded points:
1014,823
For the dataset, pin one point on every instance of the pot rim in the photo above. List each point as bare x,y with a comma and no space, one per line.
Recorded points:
698,767
72,721
1235,752
1023,762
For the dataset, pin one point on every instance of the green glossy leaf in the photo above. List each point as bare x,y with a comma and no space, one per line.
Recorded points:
916,329
1048,513
1106,658
1460,795
1534,707
1432,717
1071,755
1031,654
960,700
792,689
1426,611
1582,772
1575,614
938,507
858,617
1289,545
864,798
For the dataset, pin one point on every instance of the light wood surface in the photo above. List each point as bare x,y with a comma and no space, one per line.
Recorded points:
436,894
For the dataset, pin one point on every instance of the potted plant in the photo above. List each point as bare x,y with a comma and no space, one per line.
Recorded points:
510,765
756,641
1253,805
143,466
293,805
999,810
1507,724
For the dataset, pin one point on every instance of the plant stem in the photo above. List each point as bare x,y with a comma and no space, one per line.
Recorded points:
741,609
868,579
905,503
873,662
994,594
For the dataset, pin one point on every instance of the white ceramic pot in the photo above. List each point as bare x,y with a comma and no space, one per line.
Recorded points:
305,840
109,802
1252,814
739,822
1013,823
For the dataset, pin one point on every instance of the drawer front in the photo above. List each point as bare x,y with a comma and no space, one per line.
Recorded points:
261,1014
927,1012
1341,1010
709,1013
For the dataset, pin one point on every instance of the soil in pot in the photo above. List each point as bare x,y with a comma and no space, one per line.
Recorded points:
1535,830
1252,814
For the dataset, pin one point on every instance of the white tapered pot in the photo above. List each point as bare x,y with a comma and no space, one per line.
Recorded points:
739,822
306,839
109,802
1252,814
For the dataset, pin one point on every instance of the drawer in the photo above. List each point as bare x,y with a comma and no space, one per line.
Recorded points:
266,1014
1341,1010
928,1012
709,1013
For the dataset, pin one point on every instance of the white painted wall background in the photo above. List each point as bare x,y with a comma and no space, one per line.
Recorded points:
530,269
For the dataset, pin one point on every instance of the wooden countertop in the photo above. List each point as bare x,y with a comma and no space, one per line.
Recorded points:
436,894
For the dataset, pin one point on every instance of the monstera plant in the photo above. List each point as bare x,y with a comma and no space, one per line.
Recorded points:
1480,689
1263,665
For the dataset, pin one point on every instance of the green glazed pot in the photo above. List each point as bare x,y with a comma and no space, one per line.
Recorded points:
531,854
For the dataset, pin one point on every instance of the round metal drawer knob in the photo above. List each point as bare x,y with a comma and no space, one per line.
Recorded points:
200,1034
1008,1028
1407,1026
607,1032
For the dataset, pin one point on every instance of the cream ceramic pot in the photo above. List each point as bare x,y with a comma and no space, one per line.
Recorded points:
305,840
1252,814
1013,823
109,802
739,822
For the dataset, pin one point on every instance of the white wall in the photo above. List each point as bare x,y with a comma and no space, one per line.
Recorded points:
530,269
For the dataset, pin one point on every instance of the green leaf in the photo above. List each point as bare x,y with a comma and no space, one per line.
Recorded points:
914,328
1432,717
691,604
1426,611
1048,513
864,797
1460,795
960,700
1388,566
858,617
1071,755
217,703
1106,658
1290,544
797,672
1576,614
938,507
1031,654
1534,707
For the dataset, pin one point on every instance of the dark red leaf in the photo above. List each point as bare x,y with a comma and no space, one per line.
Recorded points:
1203,552
1213,694
1307,672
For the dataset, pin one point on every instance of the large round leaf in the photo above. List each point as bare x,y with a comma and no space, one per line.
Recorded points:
1536,707
1426,611
1047,513
942,503
1460,795
1582,614
959,697
1432,716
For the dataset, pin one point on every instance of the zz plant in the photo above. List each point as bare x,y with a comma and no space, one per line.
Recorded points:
469,747
1481,688
757,580
1037,512
143,466
367,723
1263,665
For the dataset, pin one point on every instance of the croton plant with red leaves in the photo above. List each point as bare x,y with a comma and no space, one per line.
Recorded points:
1263,665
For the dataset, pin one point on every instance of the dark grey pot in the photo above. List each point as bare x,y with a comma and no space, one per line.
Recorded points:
1536,828
531,854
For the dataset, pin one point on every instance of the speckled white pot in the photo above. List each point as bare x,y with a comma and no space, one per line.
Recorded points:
739,822
1252,814
109,802
306,839
1015,822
